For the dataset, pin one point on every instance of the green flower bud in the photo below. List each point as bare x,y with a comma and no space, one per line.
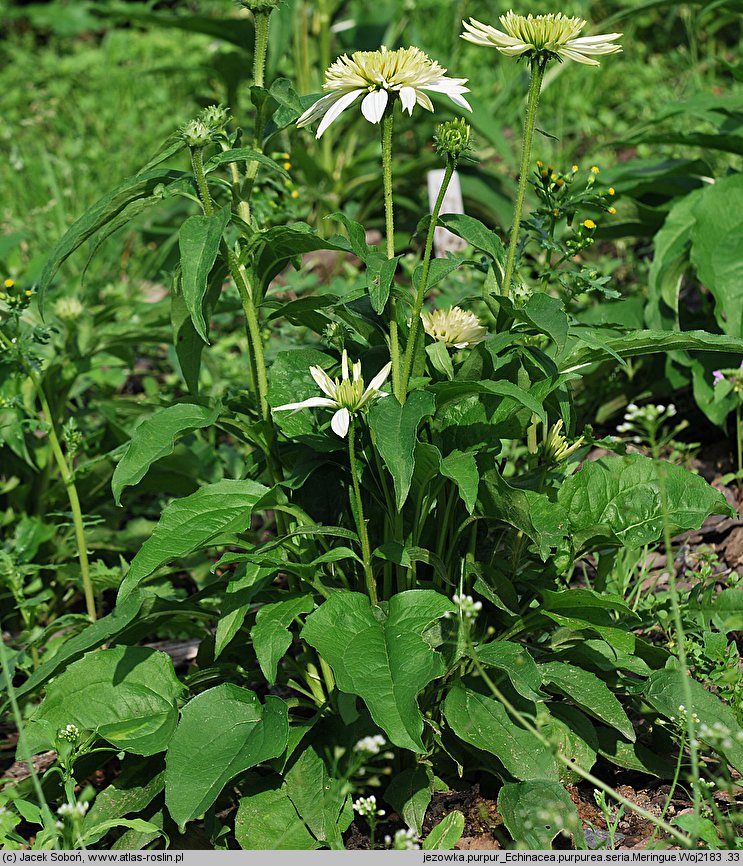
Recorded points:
196,133
216,117
259,6
453,138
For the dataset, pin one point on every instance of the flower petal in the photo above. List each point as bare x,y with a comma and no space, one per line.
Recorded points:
344,364
310,403
408,98
377,382
374,104
324,382
337,109
340,423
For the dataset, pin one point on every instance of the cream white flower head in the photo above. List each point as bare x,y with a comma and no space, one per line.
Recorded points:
455,327
346,395
551,36
382,75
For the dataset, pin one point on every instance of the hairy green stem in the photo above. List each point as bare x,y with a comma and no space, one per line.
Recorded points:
371,587
69,483
389,222
451,165
197,163
535,85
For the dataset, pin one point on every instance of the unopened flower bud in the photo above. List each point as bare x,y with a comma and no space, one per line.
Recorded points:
453,138
216,117
196,133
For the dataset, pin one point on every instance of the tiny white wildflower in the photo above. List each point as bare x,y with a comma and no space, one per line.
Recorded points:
367,807
371,745
404,840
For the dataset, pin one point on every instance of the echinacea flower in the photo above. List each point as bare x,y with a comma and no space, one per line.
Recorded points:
346,395
455,327
382,75
553,36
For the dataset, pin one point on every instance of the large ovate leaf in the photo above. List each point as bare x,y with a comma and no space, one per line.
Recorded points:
318,798
395,428
667,692
193,523
585,609
270,634
268,821
536,811
155,438
199,240
590,693
446,833
223,732
409,794
385,660
128,695
618,501
477,234
514,660
483,722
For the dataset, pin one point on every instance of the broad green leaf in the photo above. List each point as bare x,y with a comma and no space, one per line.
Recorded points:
549,316
649,343
666,692
290,381
356,234
127,694
193,523
199,240
155,438
237,600
588,692
245,154
395,429
438,355
446,833
534,812
270,634
268,821
715,249
446,391
138,825
573,735
483,722
386,661
632,756
585,609
410,793
223,732
477,234
380,276
438,269
461,468
702,828
514,660
100,214
136,786
317,797
618,501
533,513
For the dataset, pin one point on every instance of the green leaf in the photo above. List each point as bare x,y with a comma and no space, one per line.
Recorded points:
192,523
715,249
268,821
223,732
410,793
128,695
245,154
385,660
514,660
528,511
380,278
440,359
237,601
395,428
461,468
136,786
649,343
446,833
270,634
100,214
199,240
483,722
534,812
318,798
438,270
356,234
665,691
477,234
631,756
588,692
290,381
572,735
549,316
584,609
155,438
618,501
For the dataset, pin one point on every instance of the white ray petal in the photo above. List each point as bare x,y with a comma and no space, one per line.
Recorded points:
340,423
407,97
374,104
310,403
324,382
578,56
377,382
337,109
344,364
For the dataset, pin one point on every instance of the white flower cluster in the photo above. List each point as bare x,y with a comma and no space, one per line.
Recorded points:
367,807
69,733
645,414
468,607
683,715
371,745
70,810
403,840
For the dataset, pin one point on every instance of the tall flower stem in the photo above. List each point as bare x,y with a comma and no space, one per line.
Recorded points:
69,483
451,165
538,65
197,163
260,49
389,223
371,587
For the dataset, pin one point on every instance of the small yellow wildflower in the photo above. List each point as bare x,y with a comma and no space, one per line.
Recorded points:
612,191
9,284
595,169
612,210
28,293
539,163
589,224
295,193
555,212
576,169
544,172
285,156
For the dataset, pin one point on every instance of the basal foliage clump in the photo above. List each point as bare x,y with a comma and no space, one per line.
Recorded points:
393,598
